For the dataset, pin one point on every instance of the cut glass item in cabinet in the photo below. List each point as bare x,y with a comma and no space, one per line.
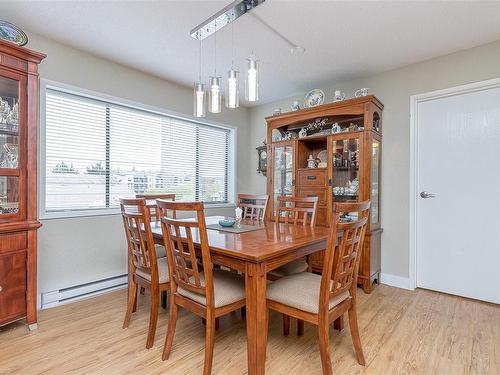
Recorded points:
345,184
9,195
375,182
9,151
9,105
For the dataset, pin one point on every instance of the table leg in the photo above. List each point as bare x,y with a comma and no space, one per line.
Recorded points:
256,315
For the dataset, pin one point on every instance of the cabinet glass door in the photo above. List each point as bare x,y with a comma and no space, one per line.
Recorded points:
9,146
345,164
283,171
375,178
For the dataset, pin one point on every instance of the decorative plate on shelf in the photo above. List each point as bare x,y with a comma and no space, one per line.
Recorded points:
314,98
12,33
323,156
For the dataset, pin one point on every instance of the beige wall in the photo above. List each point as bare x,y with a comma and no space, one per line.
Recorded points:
80,250
394,88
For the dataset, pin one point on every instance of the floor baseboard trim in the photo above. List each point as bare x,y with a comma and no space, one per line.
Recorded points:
395,281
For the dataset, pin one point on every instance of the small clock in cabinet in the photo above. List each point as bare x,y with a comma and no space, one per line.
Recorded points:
262,155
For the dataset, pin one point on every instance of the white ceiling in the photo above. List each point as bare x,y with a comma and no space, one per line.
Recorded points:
343,39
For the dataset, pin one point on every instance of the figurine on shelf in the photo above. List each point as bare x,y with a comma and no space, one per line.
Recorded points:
295,106
336,128
303,133
338,96
311,162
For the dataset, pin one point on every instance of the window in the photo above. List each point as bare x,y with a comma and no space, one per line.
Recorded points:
97,152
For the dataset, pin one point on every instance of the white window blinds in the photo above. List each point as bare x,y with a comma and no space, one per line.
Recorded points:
97,152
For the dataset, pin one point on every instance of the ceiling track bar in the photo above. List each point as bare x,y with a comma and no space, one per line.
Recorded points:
223,18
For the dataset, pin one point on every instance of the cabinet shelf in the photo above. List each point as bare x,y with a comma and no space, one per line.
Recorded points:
9,172
346,168
8,132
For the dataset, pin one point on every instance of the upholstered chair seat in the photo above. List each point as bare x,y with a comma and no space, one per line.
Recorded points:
229,287
301,291
296,266
163,276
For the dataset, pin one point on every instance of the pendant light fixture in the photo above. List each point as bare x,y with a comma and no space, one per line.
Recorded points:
252,80
214,93
232,86
199,95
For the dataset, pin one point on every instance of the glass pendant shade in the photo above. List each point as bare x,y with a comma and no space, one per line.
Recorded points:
199,100
232,89
252,81
214,95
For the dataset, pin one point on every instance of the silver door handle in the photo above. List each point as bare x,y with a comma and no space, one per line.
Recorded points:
426,195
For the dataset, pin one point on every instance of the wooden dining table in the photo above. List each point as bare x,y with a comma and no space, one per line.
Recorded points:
255,253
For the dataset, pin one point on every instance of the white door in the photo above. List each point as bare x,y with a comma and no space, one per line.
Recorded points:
458,197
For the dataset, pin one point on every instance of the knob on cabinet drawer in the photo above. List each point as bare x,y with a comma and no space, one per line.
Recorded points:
1,288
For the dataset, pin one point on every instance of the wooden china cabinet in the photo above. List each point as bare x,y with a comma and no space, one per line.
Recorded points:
18,182
344,141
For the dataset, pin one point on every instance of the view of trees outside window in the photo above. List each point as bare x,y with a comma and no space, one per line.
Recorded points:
97,152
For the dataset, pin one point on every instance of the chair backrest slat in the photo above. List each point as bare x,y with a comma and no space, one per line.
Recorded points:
140,243
153,210
343,251
254,206
183,241
297,210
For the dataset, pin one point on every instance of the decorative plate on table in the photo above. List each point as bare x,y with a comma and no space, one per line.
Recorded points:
12,33
314,98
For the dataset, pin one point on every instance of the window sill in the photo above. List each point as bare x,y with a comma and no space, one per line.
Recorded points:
110,212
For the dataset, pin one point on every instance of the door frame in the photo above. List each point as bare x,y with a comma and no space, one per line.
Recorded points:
415,100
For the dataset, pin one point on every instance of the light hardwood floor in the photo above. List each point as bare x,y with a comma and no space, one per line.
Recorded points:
403,332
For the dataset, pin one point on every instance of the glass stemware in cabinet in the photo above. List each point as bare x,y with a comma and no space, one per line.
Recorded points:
9,200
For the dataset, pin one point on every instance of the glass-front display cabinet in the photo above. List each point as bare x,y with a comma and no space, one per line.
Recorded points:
18,182
332,151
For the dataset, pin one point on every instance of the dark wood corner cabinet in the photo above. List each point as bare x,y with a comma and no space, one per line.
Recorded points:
343,140
18,182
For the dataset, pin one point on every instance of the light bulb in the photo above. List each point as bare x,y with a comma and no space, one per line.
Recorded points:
252,81
199,109
215,96
232,89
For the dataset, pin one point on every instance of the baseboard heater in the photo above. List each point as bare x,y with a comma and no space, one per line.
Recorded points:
79,292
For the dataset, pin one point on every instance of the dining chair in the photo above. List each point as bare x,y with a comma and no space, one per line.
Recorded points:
154,216
154,211
254,206
145,269
295,211
209,293
321,299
